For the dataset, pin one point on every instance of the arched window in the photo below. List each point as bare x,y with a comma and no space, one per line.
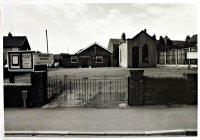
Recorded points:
145,54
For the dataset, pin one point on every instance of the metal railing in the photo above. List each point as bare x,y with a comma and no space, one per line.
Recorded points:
101,89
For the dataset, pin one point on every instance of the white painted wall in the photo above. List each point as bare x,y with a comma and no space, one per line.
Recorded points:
123,55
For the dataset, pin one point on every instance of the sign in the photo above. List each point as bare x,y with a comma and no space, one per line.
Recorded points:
20,61
26,61
15,64
191,55
43,58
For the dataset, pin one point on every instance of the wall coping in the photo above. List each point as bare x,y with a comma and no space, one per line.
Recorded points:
17,84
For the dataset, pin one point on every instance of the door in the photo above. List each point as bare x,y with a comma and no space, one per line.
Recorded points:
135,57
85,62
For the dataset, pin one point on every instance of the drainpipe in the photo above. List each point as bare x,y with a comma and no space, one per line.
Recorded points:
176,57
165,58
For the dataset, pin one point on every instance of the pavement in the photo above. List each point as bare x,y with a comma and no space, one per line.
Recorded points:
148,120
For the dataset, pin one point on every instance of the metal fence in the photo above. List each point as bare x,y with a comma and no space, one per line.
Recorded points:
101,89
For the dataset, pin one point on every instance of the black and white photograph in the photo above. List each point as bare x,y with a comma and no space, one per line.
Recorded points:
99,69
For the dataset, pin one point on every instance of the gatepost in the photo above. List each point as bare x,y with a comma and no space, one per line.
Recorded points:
135,88
39,88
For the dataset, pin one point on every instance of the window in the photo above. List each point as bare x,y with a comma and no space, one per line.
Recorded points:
99,59
145,54
74,59
161,58
181,56
170,57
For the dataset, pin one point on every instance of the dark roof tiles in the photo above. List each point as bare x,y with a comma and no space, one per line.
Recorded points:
14,41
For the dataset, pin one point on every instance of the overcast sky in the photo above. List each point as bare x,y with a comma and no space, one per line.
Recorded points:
75,26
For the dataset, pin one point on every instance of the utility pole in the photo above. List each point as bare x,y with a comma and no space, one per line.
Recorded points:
47,42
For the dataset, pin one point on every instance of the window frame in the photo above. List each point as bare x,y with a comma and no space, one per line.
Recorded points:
145,54
75,58
101,57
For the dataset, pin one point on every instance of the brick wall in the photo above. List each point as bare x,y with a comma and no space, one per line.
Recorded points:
37,91
13,94
135,90
191,88
39,88
162,91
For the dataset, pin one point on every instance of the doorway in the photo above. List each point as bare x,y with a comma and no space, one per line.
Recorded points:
135,57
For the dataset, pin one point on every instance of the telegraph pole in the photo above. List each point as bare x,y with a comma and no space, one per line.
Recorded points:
47,42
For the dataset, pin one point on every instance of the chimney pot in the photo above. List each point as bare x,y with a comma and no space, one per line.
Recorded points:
123,37
9,34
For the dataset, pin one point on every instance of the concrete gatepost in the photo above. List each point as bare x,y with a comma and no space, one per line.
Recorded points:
135,88
39,88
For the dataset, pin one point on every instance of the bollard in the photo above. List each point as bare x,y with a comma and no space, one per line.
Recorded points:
24,96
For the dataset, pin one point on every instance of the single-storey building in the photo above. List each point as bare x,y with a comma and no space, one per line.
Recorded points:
139,51
113,46
94,55
14,43
175,55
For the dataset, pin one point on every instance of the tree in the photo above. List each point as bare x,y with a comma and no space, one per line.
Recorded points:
187,43
161,43
161,40
154,36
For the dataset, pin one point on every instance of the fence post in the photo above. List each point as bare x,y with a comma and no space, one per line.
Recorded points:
135,88
191,88
39,88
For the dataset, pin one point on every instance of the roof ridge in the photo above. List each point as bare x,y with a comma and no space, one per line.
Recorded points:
91,46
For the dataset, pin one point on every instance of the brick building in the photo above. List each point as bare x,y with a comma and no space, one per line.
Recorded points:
175,54
139,51
94,55
113,46
14,43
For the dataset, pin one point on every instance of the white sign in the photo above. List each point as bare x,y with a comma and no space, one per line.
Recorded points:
26,61
15,61
20,61
191,55
43,58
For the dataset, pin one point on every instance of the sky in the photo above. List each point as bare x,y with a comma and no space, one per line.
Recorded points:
74,26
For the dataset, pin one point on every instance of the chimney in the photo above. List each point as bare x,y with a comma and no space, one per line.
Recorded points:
123,37
145,30
9,34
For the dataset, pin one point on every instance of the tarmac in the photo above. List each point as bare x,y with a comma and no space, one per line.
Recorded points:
90,121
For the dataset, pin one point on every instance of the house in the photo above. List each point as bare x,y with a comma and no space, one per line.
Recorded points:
176,54
113,46
94,55
14,43
139,51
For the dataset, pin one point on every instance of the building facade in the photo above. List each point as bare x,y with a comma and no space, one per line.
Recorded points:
176,54
14,43
94,55
139,51
113,46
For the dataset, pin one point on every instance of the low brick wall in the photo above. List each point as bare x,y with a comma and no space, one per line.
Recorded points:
13,94
162,91
191,88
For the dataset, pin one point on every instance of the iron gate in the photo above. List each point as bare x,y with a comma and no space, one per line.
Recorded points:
101,89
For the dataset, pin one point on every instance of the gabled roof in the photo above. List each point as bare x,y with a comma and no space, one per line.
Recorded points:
193,38
80,51
178,42
14,41
116,41
141,33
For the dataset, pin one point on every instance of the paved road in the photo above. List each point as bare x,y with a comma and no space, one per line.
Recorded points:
101,119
